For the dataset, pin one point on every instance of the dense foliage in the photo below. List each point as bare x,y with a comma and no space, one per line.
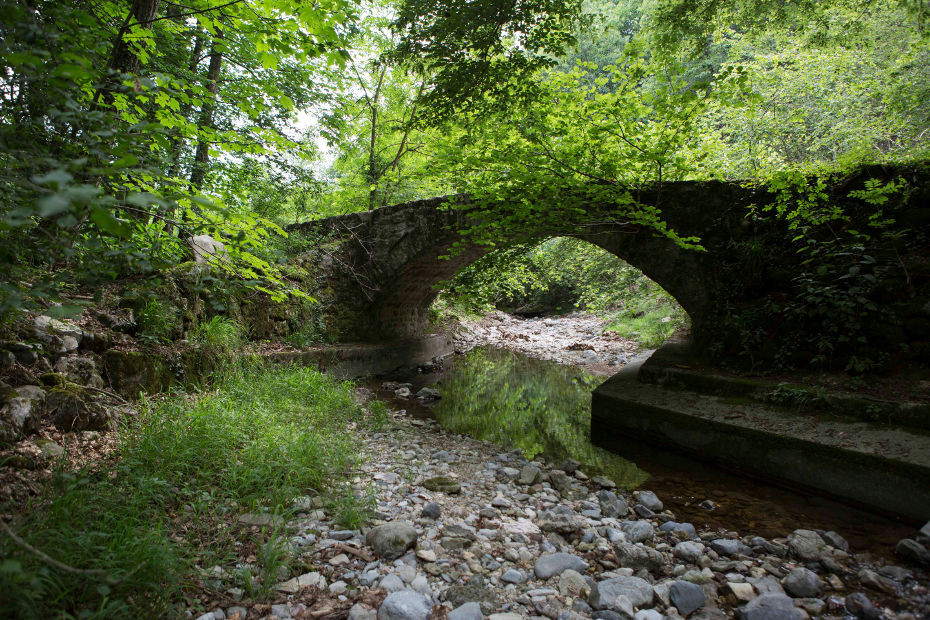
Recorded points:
127,127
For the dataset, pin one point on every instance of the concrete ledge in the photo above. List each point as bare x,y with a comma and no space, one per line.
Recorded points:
671,366
351,361
883,467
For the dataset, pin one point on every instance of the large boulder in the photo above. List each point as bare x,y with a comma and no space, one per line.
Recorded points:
207,250
58,337
73,409
80,370
20,412
391,540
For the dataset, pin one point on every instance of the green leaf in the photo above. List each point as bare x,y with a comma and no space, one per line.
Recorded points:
107,222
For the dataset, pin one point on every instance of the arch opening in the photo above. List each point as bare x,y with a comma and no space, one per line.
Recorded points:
561,275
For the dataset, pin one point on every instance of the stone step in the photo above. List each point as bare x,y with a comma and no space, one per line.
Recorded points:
879,465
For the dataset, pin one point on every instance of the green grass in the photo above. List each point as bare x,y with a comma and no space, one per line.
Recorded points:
218,335
186,467
643,319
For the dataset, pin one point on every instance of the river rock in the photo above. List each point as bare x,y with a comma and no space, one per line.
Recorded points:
686,597
639,556
392,583
923,536
728,546
573,583
806,545
871,579
431,510
512,575
561,523
681,530
358,612
405,605
802,583
770,607
835,540
611,505
649,500
912,550
553,564
604,593
468,611
529,475
443,484
859,605
458,595
391,540
429,394
690,551
647,614
637,531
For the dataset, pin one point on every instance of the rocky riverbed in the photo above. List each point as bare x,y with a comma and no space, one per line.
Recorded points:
466,530
575,339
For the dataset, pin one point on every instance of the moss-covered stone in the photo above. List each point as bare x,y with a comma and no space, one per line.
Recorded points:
132,372
72,408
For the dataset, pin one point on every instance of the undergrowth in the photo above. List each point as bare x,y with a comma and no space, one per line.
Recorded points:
649,319
186,468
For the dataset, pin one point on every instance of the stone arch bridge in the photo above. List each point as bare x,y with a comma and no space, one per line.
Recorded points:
384,264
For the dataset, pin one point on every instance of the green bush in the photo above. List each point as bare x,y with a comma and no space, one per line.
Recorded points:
156,322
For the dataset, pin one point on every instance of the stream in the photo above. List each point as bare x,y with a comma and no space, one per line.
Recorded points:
542,408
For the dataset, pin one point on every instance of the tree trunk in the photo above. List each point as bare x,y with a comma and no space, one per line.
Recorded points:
177,142
123,58
202,156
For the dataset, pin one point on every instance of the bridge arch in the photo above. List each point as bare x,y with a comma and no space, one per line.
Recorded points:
392,258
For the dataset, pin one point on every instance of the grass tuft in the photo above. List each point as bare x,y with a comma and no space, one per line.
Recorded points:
187,467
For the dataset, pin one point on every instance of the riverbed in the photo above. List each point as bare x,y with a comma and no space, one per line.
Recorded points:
526,384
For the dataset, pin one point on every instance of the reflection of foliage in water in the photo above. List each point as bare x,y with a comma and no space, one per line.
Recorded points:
536,406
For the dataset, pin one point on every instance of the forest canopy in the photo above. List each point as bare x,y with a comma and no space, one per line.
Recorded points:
128,127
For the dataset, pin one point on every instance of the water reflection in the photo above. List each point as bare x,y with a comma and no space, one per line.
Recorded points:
537,406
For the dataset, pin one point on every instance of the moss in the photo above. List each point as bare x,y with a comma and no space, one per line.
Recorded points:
131,372
53,379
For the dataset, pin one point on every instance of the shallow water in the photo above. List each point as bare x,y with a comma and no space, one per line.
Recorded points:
543,408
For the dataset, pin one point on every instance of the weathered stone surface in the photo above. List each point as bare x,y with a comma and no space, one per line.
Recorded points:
611,505
637,531
913,551
803,583
553,564
727,546
859,605
391,540
405,605
604,593
530,474
443,484
649,500
79,370
770,607
639,556
686,597
73,409
457,595
681,530
690,551
468,611
431,510
806,545
21,410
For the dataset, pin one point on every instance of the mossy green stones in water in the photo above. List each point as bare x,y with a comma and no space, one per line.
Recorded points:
442,484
